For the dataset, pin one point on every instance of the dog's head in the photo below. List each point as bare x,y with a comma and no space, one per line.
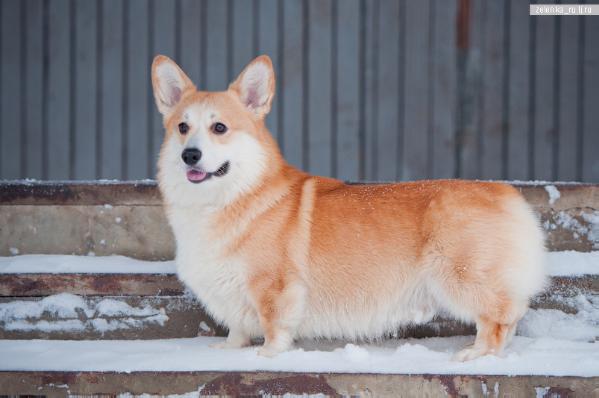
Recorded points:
216,145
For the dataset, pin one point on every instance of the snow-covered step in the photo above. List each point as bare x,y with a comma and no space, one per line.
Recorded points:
156,323
571,305
127,218
542,367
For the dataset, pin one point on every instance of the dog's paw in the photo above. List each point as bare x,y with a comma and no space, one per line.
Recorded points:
227,345
269,351
469,353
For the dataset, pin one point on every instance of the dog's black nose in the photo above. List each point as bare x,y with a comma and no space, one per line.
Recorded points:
191,156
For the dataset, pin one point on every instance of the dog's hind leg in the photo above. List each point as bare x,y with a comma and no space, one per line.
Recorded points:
280,311
491,338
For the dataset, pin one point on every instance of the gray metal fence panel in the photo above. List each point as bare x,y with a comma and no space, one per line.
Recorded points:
368,89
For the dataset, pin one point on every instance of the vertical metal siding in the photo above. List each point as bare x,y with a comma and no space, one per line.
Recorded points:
367,90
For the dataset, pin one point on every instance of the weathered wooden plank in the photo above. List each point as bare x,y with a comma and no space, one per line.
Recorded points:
417,79
80,193
33,70
190,31
85,90
163,41
590,166
217,37
112,89
492,89
444,90
567,105
169,286
320,72
270,43
138,89
39,285
518,91
145,193
59,81
387,81
347,95
11,90
292,73
545,130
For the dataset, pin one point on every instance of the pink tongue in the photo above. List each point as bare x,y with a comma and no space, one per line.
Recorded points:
196,175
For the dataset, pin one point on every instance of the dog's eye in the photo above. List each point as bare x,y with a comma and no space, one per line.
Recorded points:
183,128
219,128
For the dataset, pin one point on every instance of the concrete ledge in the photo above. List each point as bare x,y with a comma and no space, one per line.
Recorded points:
126,218
63,384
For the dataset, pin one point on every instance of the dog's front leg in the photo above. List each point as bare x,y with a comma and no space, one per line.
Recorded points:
237,338
280,310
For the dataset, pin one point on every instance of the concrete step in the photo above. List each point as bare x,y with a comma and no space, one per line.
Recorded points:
128,219
150,306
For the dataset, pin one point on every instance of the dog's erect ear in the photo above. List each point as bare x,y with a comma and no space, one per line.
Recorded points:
256,85
170,84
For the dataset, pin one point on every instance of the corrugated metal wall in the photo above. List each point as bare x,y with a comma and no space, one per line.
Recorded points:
376,90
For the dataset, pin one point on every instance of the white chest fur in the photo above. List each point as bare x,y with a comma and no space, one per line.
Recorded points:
219,282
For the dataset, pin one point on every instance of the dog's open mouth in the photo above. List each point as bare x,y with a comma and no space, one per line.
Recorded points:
196,175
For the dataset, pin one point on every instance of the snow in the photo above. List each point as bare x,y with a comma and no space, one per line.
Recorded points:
581,326
565,263
553,193
525,356
61,264
111,307
204,327
572,263
76,314
593,227
62,305
578,229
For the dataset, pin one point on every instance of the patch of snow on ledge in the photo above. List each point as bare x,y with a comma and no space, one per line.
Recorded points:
69,312
572,263
553,193
66,264
580,326
565,263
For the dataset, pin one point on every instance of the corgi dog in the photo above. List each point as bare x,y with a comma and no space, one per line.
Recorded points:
274,252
